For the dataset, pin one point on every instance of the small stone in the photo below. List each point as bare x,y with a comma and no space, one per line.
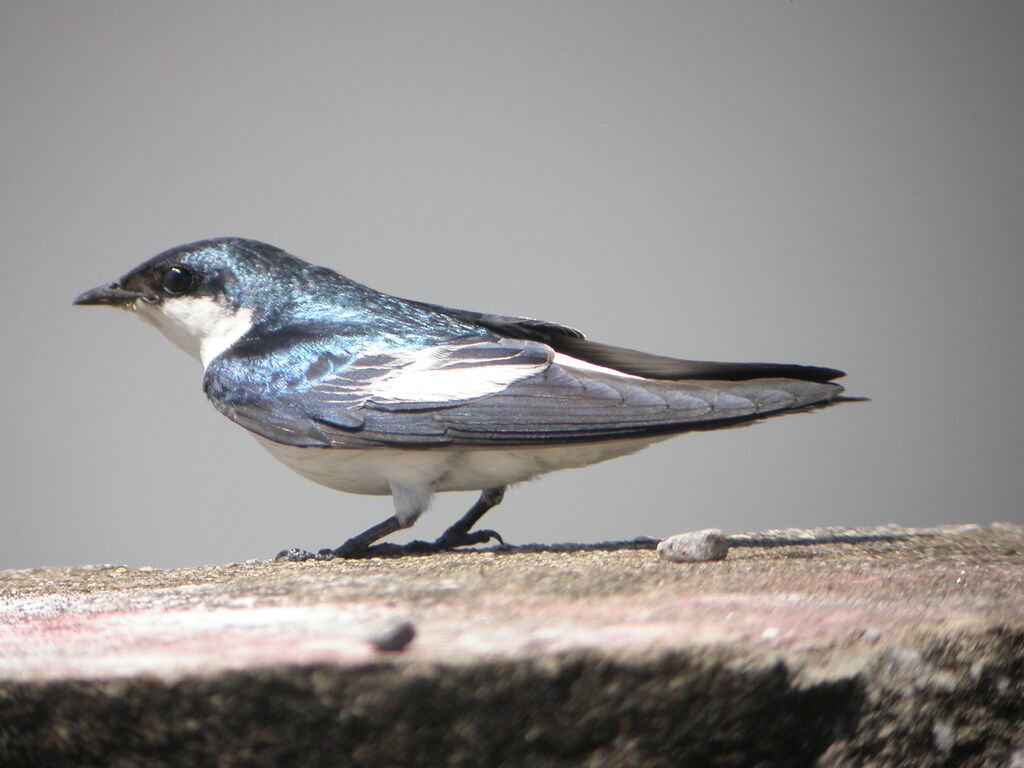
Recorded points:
943,736
694,547
394,638
294,555
872,635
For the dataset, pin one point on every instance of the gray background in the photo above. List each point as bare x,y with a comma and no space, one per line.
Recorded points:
824,183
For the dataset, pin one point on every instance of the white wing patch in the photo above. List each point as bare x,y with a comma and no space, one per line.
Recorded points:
567,361
436,374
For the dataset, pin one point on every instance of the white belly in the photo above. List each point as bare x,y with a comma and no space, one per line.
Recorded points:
442,469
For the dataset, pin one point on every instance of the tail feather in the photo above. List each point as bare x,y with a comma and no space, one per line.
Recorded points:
669,368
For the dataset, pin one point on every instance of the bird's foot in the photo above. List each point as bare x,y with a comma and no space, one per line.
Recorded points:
354,549
454,538
447,542
350,550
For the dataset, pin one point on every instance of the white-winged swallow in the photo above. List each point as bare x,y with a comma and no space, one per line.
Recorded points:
370,393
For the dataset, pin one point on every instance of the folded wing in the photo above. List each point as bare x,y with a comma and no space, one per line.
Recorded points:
483,392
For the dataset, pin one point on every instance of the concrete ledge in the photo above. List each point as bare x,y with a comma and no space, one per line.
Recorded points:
893,648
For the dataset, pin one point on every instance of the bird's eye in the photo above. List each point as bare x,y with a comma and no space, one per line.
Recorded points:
177,280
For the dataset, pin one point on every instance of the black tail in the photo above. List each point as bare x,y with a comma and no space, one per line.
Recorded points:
658,367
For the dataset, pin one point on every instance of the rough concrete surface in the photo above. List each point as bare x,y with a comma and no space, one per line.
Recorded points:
880,648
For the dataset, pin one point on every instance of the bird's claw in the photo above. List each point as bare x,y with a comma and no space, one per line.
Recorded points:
453,539
347,551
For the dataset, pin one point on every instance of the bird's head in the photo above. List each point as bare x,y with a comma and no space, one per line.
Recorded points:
204,296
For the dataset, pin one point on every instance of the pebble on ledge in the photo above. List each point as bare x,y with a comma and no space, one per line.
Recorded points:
694,547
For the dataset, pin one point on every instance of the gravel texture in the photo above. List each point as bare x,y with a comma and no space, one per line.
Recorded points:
882,647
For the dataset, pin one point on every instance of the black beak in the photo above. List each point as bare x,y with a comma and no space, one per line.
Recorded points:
111,295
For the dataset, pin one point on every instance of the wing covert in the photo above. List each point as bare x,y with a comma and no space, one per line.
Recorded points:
334,399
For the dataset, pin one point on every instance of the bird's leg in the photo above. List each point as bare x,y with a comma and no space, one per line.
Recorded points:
354,547
357,545
458,534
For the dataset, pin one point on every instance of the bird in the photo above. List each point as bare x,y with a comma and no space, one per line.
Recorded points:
365,392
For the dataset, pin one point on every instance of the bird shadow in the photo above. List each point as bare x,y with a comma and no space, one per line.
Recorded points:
426,548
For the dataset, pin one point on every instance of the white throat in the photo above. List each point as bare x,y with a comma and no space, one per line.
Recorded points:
201,326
